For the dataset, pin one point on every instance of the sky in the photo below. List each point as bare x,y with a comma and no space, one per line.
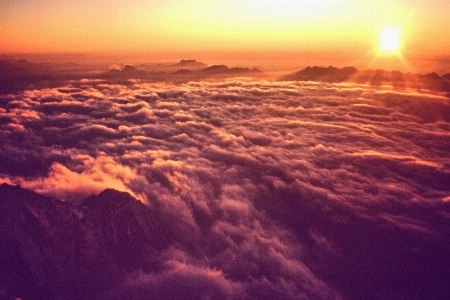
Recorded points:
229,25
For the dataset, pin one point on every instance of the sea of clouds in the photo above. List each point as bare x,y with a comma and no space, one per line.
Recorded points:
275,190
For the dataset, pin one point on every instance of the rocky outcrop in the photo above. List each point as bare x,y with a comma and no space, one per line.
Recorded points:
52,249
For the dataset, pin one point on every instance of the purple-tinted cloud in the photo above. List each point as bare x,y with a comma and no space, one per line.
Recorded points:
287,190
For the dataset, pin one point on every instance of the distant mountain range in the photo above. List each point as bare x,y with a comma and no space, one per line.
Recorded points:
20,75
188,69
222,69
378,77
52,249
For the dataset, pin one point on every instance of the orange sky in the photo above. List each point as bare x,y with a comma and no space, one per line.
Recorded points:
187,25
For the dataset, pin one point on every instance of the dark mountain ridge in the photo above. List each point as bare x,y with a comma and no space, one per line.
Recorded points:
187,70
20,75
190,64
330,74
222,69
52,249
378,77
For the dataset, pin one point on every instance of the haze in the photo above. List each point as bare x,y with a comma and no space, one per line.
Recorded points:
183,26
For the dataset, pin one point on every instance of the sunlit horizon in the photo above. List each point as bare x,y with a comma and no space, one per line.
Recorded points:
224,149
274,34
92,26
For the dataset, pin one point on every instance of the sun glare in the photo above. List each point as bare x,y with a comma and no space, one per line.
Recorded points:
390,39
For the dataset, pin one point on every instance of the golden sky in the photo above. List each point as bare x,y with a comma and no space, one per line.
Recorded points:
188,25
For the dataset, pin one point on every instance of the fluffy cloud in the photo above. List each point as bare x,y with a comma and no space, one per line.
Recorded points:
93,176
287,190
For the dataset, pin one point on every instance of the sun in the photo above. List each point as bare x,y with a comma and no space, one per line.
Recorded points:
388,55
390,39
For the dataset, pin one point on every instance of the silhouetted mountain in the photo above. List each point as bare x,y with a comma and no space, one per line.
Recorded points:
190,64
244,70
183,72
446,77
126,73
222,69
52,249
129,69
15,76
216,69
330,74
433,81
377,77
186,70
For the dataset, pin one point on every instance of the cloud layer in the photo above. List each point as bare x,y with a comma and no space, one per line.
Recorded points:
287,190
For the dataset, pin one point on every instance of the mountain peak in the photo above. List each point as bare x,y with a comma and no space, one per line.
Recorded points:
110,199
190,64
329,74
5,185
216,69
187,61
129,69
52,247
